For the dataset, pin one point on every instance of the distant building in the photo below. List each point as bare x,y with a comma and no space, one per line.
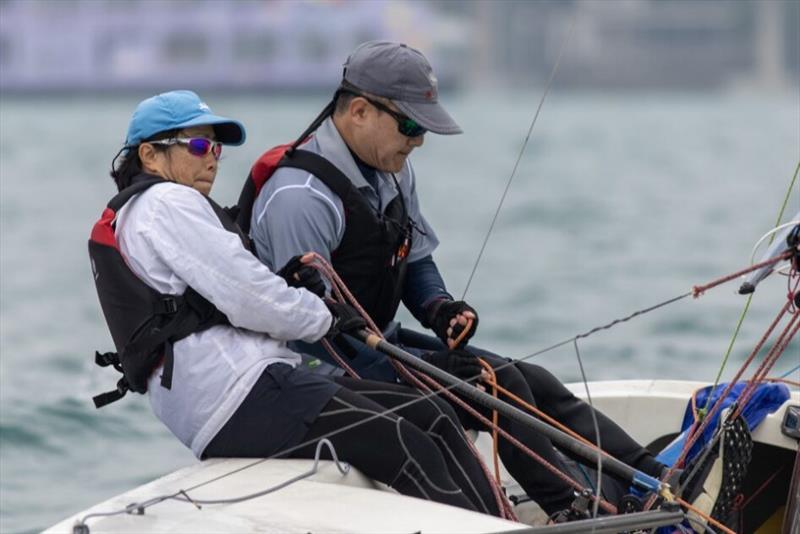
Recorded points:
663,44
100,45
112,45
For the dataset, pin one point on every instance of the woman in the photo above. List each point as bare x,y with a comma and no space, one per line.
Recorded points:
213,355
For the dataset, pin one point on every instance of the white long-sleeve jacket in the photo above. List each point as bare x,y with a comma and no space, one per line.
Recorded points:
171,238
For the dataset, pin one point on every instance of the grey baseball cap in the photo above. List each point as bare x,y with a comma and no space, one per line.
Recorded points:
403,75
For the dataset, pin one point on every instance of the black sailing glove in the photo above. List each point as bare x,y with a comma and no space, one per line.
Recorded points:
346,320
298,274
442,311
457,362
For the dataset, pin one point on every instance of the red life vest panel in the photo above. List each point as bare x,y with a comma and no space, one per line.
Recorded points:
264,167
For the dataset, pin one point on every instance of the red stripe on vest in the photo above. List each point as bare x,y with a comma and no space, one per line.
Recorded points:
103,231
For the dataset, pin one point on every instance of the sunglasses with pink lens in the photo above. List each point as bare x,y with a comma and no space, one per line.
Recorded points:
197,146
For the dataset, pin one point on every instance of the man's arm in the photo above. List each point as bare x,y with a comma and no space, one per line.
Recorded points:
424,292
423,285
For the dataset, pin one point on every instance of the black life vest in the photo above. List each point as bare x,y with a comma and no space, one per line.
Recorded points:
372,256
143,322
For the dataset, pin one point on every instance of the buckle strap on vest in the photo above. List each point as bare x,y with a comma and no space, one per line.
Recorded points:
167,306
108,358
111,396
105,359
169,365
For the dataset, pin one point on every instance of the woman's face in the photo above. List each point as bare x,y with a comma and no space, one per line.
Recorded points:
177,164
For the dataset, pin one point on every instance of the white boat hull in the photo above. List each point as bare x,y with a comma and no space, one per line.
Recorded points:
650,410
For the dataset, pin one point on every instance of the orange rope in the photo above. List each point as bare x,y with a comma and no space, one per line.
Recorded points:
607,506
783,381
416,378
708,518
536,411
462,335
342,292
344,295
495,418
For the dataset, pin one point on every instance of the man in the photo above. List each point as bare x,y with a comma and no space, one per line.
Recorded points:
358,207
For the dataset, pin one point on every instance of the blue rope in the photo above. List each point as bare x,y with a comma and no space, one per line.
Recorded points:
790,371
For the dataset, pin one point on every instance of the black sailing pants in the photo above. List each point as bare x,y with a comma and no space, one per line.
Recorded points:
419,450
538,387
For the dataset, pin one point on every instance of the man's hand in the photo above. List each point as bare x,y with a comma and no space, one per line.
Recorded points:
449,318
457,362
346,319
298,274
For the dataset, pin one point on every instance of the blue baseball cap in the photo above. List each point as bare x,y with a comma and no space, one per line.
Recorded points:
176,110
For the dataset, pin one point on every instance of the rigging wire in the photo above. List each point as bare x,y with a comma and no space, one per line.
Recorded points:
595,506
522,149
181,495
746,307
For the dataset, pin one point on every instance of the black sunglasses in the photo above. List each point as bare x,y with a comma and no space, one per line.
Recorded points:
405,125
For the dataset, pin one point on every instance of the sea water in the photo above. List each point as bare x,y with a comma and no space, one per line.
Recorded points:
619,202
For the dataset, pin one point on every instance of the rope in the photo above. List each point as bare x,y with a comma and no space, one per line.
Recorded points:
339,360
547,465
404,372
462,335
693,437
769,361
415,378
181,495
596,428
699,290
783,381
750,296
700,424
345,294
631,316
790,371
492,381
543,416
704,410
705,516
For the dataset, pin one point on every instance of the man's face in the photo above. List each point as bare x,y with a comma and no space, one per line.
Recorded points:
383,146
